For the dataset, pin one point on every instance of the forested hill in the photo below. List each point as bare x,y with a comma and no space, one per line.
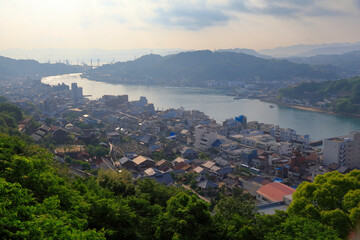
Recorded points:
347,63
342,95
196,68
30,68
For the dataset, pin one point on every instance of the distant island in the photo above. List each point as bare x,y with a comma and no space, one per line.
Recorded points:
341,96
198,68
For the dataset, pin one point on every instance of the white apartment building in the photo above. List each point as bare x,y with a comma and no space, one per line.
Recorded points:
204,137
343,150
289,135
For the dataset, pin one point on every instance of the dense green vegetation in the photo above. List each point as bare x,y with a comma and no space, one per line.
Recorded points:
38,199
332,199
9,117
344,94
196,68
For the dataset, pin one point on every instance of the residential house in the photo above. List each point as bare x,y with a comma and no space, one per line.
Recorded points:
182,166
163,165
273,192
163,178
207,185
189,153
126,163
143,162
60,135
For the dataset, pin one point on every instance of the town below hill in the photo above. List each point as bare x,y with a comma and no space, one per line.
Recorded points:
118,169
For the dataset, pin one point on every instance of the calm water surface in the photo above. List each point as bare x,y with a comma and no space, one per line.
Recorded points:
219,106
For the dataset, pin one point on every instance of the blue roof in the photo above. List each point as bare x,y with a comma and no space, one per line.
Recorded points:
217,143
225,170
258,179
207,184
280,180
188,151
240,118
164,178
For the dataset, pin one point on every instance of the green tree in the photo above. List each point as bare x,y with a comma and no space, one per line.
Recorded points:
118,183
234,217
329,199
186,217
97,151
299,228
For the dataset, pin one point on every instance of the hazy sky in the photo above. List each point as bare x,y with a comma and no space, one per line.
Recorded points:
187,24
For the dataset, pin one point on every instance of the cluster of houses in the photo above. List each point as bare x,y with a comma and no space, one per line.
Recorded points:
262,159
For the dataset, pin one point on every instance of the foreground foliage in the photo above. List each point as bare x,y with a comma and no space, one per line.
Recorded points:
38,199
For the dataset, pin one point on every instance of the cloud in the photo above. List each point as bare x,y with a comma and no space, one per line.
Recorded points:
357,3
198,14
190,17
285,8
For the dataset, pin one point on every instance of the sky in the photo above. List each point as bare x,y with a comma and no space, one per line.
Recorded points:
185,24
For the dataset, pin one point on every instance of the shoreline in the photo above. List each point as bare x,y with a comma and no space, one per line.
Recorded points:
312,109
223,92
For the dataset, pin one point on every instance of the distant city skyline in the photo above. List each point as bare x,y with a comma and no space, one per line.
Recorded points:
187,24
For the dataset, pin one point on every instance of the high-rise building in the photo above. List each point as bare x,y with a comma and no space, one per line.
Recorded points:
77,92
344,150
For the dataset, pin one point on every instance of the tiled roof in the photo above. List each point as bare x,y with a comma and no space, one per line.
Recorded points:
161,162
198,169
207,184
179,160
275,191
124,160
182,165
164,178
208,164
141,159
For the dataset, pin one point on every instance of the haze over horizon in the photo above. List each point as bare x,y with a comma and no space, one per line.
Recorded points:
192,24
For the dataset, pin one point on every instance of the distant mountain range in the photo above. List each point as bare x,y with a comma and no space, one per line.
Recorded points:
31,68
80,56
347,63
309,50
246,51
326,61
198,67
103,56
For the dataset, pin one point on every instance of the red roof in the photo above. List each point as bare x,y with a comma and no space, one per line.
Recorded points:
275,191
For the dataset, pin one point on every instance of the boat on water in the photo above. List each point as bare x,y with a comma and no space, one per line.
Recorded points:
271,106
237,98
